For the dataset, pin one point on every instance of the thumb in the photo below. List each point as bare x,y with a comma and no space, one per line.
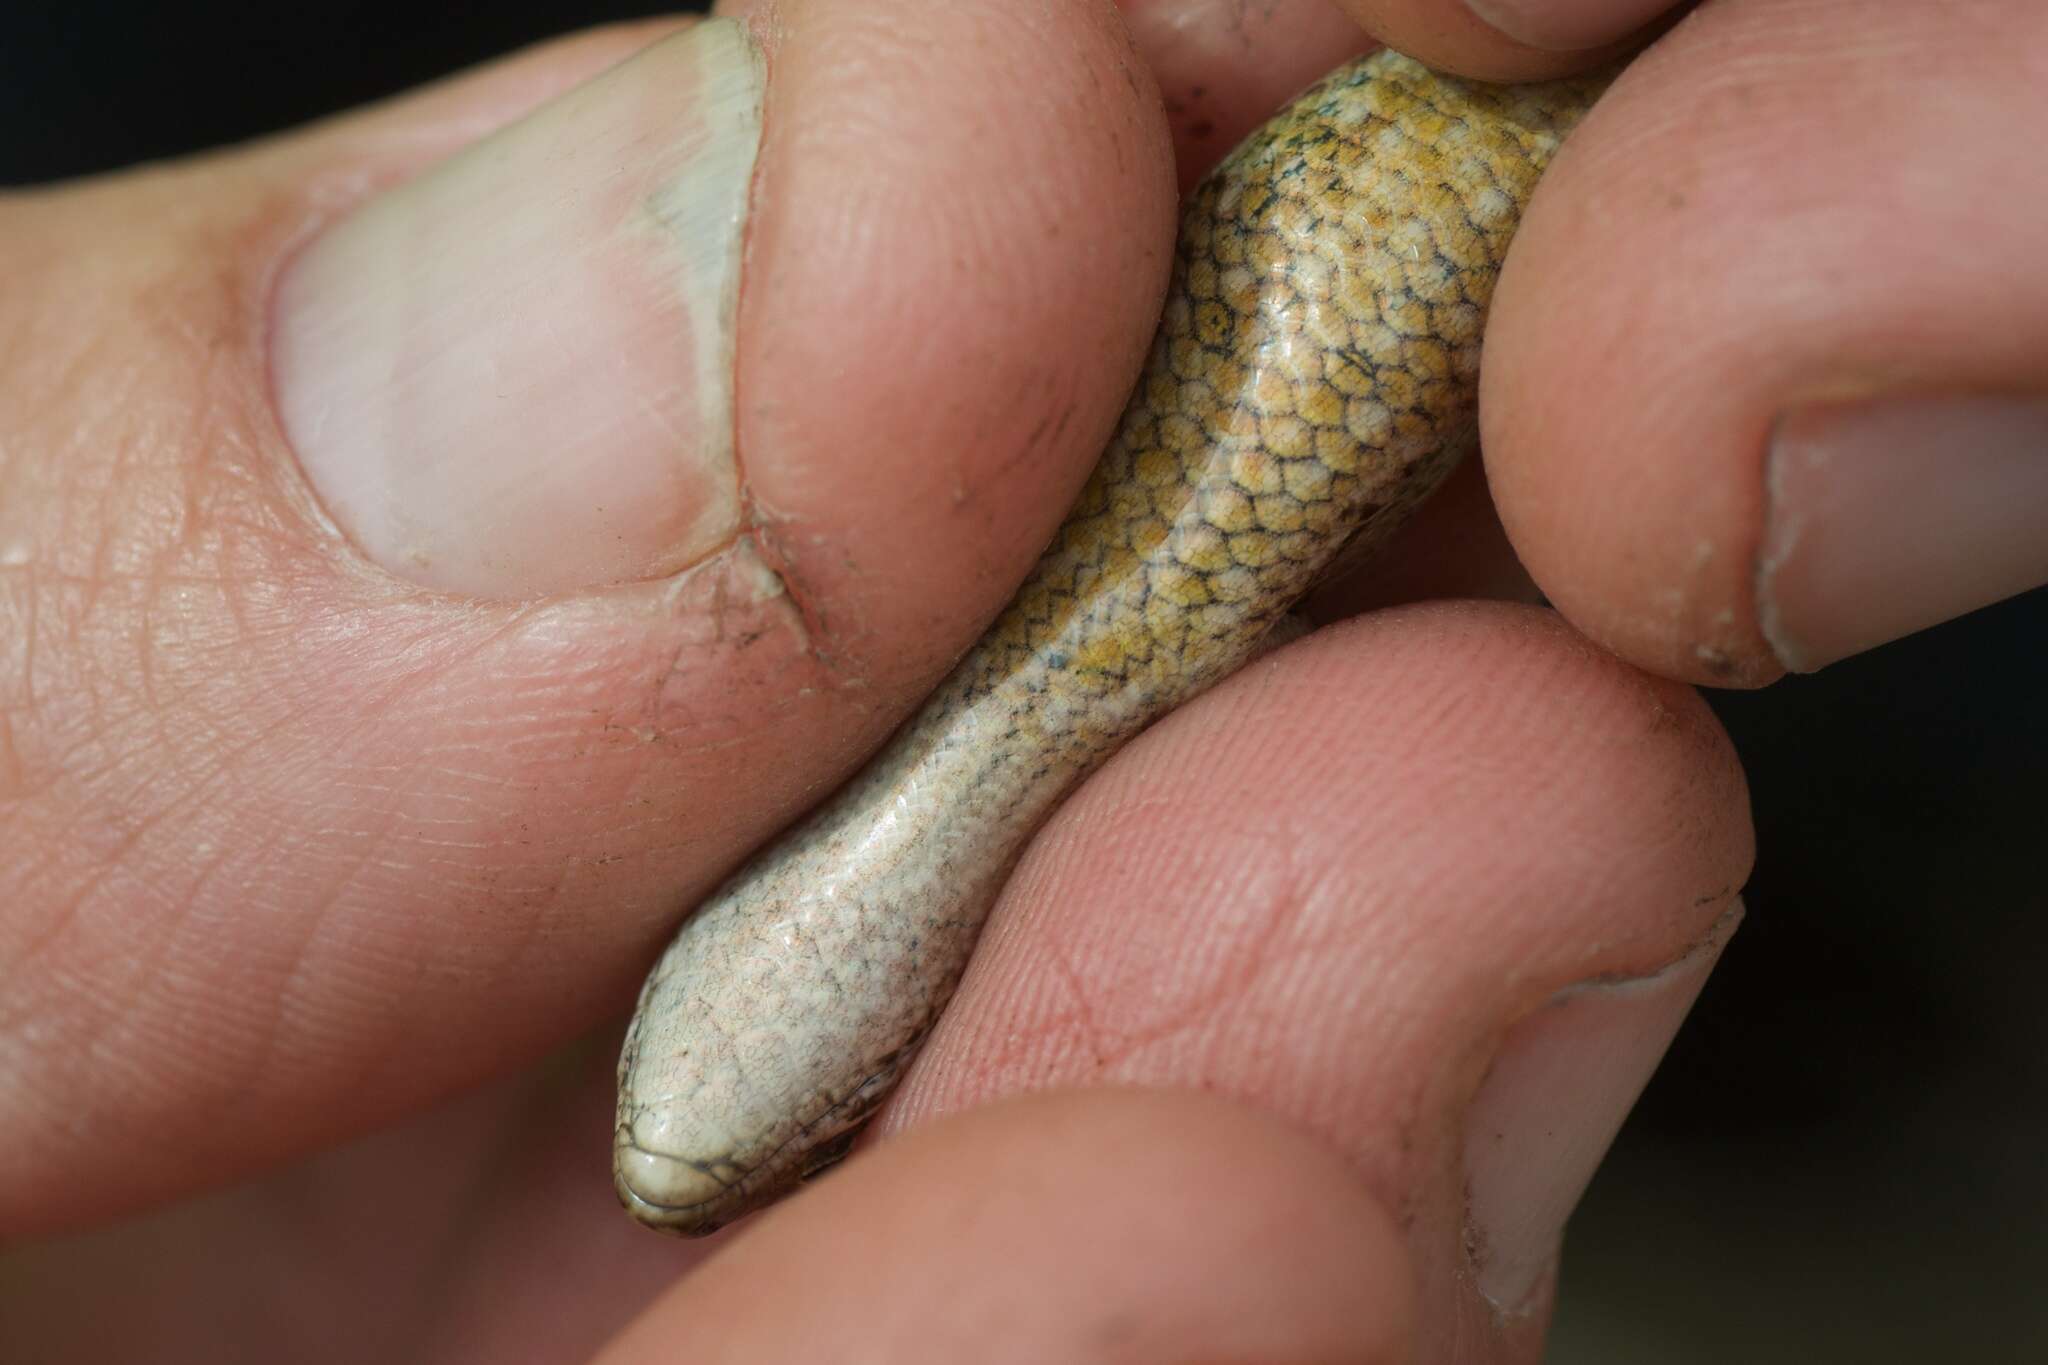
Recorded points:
421,573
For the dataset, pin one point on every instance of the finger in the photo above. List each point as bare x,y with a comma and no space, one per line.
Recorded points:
1101,1226
334,783
1436,885
1511,40
1763,386
1224,66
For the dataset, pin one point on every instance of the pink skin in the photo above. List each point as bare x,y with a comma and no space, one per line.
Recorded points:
1006,1186
1267,52
1808,246
298,854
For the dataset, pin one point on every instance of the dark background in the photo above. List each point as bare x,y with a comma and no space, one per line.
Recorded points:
1845,1157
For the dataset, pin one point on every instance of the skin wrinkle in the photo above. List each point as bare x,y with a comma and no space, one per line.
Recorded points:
225,760
295,1012
1087,1033
800,616
151,578
1055,411
806,620
1225,966
93,1020
777,641
168,574
1314,377
108,863
246,1082
1283,942
189,900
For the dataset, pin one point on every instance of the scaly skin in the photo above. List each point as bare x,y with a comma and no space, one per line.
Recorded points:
1314,377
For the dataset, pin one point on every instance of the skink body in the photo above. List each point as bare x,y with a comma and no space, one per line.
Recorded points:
1314,377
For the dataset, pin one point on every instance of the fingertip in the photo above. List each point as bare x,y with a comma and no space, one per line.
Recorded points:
1641,544
961,233
1508,40
1762,222
1332,887
1103,1225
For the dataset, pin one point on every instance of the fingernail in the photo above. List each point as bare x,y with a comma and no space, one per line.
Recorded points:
1560,1086
1567,25
1886,517
513,375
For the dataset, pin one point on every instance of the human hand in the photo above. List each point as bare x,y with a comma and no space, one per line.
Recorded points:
393,748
